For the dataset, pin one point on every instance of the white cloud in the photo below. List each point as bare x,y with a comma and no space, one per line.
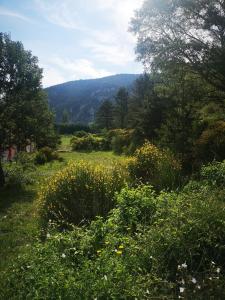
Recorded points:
79,68
51,76
102,33
58,70
114,53
61,13
10,13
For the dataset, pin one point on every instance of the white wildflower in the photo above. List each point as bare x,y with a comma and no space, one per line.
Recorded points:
63,255
199,287
218,270
182,289
194,280
184,266
48,235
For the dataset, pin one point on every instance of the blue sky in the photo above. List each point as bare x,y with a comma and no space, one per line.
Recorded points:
74,39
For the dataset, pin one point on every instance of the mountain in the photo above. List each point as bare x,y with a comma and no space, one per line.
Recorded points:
80,99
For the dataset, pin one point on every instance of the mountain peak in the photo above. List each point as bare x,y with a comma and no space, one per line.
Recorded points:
81,98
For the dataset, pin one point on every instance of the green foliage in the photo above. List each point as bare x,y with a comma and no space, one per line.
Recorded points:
81,133
89,142
166,246
121,108
214,173
154,166
80,192
104,115
211,143
24,111
135,208
71,128
121,140
46,155
178,32
21,172
146,108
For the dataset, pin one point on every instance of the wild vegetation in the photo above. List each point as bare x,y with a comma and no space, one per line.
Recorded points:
131,207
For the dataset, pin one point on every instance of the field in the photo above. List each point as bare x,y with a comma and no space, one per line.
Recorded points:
18,221
138,229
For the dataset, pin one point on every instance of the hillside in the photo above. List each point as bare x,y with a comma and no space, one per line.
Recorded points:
82,98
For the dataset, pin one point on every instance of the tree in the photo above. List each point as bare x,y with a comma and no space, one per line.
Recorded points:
188,32
104,115
146,108
65,116
121,108
24,112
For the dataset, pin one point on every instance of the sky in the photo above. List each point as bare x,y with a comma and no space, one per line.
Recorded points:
74,39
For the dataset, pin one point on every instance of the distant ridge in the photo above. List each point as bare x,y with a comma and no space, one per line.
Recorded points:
81,98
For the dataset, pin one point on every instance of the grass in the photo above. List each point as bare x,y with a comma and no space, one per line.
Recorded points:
65,143
18,222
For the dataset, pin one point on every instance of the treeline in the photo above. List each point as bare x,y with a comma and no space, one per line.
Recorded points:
179,103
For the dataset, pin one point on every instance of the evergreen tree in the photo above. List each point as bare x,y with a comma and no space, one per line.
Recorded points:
121,108
104,115
146,109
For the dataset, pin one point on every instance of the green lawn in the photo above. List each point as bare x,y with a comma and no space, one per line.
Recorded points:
18,219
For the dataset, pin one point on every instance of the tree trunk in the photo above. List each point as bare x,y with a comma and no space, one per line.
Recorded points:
2,176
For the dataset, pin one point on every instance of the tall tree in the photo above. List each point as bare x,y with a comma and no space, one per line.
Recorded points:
146,108
190,32
24,112
104,115
121,108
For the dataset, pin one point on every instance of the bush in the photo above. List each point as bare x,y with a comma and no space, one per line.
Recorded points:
20,172
151,246
120,140
89,142
211,144
81,133
79,193
46,155
154,166
214,173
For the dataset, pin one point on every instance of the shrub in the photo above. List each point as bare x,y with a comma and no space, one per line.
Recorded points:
151,246
120,140
81,133
80,192
211,143
89,142
214,173
46,155
15,175
153,166
21,171
135,207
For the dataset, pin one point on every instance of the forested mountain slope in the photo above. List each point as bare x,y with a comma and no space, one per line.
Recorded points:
80,99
